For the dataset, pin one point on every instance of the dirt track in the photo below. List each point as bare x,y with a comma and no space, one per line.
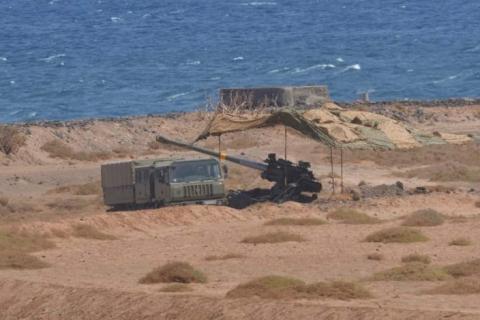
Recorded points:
92,279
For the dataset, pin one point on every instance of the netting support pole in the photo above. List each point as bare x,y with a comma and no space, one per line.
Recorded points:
332,173
285,142
341,170
220,148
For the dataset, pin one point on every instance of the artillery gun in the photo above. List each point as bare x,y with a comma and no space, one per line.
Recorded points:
291,181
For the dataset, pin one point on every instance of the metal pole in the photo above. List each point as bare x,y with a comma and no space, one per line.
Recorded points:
220,148
331,164
341,170
285,142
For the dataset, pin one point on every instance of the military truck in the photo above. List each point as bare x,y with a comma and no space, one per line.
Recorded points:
159,182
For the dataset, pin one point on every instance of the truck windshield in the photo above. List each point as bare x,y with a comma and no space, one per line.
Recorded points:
194,171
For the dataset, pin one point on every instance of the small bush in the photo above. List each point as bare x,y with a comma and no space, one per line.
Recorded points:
375,256
90,232
87,189
414,271
458,287
464,269
274,237
397,235
15,247
424,218
295,222
351,216
181,272
460,242
20,260
177,287
11,140
279,287
225,257
4,201
58,149
477,204
69,204
415,257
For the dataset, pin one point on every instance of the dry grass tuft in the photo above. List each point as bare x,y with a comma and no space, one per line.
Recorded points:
177,287
274,237
181,272
375,256
352,216
69,204
90,232
477,204
424,218
227,256
15,247
464,269
11,140
295,222
279,287
415,257
414,271
458,287
460,242
59,149
4,201
445,172
87,189
397,235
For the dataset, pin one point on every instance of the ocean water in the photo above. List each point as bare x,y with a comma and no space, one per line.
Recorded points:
65,59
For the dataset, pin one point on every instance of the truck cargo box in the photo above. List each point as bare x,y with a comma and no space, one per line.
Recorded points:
118,183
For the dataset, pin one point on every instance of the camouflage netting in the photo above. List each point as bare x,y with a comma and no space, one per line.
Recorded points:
335,127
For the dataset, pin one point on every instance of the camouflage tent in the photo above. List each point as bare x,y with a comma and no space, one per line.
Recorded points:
334,127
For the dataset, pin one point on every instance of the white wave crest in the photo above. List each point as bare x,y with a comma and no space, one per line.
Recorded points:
259,3
353,67
340,59
317,66
3,59
116,19
55,56
193,62
176,96
238,58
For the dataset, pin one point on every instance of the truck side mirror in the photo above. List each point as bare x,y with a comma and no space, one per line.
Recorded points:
225,171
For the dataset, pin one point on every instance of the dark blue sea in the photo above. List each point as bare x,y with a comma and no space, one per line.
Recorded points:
65,59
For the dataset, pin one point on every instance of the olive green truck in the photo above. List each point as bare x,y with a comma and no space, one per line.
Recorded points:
160,182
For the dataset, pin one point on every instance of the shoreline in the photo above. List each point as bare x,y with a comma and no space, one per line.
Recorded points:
448,103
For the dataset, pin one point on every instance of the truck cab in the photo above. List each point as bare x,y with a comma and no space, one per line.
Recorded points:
161,182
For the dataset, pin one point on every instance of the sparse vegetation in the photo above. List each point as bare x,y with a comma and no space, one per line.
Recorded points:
424,218
90,188
464,269
68,204
16,246
295,222
279,287
460,242
458,287
375,256
87,231
11,140
477,204
59,149
274,237
414,271
352,216
415,257
397,235
180,272
445,172
177,287
227,256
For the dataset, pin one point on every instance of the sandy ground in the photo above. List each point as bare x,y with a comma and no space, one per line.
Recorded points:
92,279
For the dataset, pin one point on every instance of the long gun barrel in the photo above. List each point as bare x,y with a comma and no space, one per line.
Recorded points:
222,156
